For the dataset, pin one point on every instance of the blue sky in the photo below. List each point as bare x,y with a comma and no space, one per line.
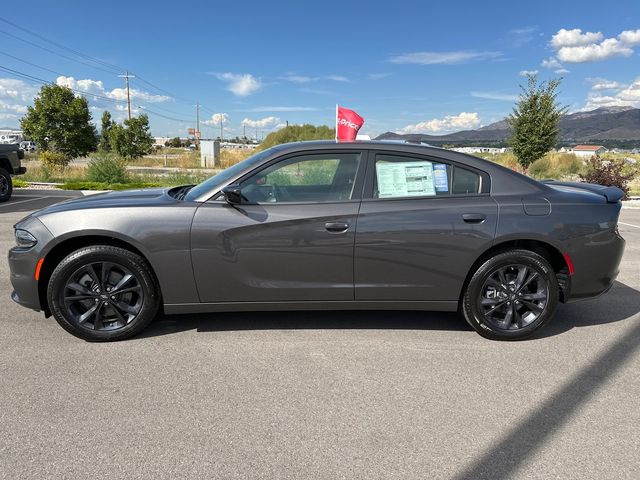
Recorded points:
431,67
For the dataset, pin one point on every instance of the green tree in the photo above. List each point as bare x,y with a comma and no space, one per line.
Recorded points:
535,120
60,121
105,132
298,133
174,142
132,139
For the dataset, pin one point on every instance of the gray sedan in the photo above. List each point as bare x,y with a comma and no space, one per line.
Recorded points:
324,225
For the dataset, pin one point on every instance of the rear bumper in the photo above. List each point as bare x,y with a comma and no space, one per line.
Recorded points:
597,264
20,171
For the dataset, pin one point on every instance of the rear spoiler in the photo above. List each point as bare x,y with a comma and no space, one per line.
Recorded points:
612,194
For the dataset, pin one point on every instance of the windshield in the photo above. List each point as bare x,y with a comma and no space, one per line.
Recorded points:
225,175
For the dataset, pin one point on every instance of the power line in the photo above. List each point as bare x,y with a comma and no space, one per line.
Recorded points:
101,65
48,82
63,47
32,64
54,52
182,120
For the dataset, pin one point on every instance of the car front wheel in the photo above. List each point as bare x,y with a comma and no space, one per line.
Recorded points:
6,185
511,295
103,293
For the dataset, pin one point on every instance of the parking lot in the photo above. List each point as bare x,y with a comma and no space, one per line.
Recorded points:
323,395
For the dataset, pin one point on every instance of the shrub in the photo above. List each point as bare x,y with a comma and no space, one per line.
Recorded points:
52,160
540,168
106,186
107,168
608,173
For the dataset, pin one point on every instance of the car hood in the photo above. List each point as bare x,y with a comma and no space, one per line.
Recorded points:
146,197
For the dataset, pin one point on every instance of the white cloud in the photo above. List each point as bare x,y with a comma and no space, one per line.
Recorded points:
96,87
13,108
378,76
240,84
574,38
630,37
462,121
606,93
507,97
594,52
217,118
17,89
295,78
267,122
575,46
525,73
551,63
336,78
280,109
447,58
524,35
604,84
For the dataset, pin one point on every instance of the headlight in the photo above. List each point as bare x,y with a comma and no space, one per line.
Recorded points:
24,239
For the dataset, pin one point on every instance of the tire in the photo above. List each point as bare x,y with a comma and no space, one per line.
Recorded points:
6,185
103,293
512,295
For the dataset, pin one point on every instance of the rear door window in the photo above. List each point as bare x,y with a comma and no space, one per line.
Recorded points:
398,176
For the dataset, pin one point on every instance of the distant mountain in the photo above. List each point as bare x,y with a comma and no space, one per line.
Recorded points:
609,126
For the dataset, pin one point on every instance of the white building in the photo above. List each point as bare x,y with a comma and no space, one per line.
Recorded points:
11,136
588,151
493,150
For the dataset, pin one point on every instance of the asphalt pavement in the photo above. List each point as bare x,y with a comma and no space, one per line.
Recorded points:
291,395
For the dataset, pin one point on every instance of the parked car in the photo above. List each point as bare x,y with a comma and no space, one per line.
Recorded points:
10,156
28,146
320,225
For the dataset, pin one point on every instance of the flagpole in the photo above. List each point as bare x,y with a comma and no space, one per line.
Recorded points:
336,123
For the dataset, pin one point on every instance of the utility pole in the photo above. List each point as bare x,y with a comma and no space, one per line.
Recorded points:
126,77
198,125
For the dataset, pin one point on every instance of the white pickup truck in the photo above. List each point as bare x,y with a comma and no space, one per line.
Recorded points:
10,156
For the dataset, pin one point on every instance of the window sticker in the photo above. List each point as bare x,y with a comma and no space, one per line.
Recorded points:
405,179
440,175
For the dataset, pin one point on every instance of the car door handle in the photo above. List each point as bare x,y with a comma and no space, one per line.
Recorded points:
336,227
474,217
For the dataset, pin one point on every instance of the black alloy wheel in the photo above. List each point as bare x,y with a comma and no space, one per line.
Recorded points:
511,295
103,293
103,296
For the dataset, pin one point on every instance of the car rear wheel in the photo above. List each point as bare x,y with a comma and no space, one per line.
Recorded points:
511,295
103,293
6,185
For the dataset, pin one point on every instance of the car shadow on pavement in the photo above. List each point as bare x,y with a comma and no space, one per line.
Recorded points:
620,303
307,320
503,459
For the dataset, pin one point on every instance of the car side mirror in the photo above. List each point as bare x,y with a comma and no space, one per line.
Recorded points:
232,194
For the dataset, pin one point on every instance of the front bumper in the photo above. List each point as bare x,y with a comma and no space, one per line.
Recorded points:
22,265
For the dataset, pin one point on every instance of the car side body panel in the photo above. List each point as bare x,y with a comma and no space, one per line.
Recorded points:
273,252
420,249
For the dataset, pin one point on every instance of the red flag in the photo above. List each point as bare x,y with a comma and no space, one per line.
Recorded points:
348,123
